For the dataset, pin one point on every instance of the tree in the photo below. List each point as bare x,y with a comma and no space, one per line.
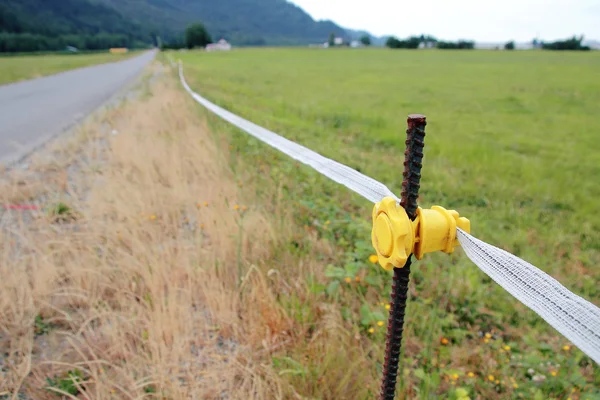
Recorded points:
365,40
392,42
412,42
331,39
196,35
510,45
573,43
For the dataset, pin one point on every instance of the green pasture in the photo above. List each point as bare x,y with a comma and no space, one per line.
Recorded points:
22,67
513,144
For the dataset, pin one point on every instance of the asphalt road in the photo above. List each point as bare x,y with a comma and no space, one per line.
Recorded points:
34,111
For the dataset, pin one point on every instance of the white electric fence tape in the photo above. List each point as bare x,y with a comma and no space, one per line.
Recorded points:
577,319
367,187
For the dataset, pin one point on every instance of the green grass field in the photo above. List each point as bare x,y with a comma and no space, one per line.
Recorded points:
512,144
18,68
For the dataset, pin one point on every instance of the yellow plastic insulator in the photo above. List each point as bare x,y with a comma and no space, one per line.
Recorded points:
395,237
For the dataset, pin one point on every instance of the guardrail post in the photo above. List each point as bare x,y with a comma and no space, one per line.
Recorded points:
413,158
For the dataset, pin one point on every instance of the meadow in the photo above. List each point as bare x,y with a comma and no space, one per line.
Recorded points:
22,67
511,144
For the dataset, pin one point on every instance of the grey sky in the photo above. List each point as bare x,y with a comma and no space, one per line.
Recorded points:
484,21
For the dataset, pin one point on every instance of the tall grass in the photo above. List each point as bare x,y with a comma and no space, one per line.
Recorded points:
138,294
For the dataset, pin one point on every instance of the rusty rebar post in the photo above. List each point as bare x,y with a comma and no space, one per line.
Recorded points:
413,159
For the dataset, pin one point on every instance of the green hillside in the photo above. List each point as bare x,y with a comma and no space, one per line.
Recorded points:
39,25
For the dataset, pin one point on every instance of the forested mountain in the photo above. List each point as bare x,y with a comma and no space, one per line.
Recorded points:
30,25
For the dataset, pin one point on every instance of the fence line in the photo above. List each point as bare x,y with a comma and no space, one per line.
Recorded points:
574,317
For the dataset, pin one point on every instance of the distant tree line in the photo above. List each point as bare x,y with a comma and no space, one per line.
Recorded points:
427,41
461,44
573,43
28,42
52,25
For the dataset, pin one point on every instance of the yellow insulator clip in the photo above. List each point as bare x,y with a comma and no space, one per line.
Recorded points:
395,237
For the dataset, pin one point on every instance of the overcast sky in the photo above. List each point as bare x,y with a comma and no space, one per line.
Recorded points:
484,21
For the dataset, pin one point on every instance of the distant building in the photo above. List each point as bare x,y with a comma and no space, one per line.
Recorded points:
221,45
338,41
426,45
355,44
72,49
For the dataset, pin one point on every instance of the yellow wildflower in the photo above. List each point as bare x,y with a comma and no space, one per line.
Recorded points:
497,382
444,341
488,335
379,323
348,279
387,306
327,222
373,258
507,348
491,378
566,347
553,373
206,204
515,386
201,226
486,340
153,218
455,376
236,207
470,375
371,330
198,205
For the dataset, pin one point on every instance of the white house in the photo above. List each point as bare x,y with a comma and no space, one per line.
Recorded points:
338,41
221,45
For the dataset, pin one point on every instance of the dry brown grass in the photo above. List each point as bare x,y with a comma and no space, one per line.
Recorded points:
139,291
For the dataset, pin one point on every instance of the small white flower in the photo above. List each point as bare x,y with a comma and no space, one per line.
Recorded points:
530,371
538,378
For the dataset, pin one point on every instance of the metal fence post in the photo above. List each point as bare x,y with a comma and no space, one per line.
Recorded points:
413,158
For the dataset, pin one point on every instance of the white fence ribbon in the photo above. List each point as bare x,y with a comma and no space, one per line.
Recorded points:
367,187
577,319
